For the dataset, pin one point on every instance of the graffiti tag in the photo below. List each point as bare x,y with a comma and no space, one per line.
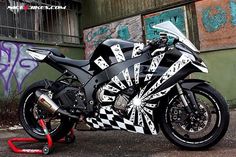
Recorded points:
214,18
232,5
126,29
14,63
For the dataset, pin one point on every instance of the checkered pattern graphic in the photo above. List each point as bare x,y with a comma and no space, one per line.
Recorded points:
108,118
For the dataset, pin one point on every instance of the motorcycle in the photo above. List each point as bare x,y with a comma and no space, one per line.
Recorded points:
129,86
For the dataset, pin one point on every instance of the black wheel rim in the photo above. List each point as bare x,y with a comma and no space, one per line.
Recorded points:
30,120
212,131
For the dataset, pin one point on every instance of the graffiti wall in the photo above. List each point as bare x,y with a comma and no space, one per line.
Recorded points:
127,29
217,24
15,64
176,16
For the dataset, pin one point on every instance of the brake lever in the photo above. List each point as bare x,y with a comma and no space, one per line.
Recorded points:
154,44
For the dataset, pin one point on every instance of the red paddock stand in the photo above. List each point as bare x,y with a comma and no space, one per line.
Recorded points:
46,149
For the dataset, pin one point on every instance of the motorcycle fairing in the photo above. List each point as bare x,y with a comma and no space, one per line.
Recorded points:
109,119
104,52
110,72
138,115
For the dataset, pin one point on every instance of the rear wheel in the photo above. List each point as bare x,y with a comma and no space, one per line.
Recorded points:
198,130
58,127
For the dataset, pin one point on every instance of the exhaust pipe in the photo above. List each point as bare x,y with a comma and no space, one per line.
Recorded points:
45,102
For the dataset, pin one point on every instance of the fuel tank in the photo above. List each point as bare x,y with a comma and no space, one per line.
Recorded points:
104,56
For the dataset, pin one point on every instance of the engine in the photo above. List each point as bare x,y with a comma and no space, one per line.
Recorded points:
121,101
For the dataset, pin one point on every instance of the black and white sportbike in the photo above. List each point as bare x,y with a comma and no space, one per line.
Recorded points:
132,87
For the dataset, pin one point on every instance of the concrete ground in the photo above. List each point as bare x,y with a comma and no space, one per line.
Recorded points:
121,143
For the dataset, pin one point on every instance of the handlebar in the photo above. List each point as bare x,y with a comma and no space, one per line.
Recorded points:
154,44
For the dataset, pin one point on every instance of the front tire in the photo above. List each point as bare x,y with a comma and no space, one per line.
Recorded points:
203,132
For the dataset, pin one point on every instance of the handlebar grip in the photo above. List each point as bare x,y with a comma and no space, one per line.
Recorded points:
145,49
152,45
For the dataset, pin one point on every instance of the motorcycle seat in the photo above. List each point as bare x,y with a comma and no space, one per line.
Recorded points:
70,62
78,63
54,51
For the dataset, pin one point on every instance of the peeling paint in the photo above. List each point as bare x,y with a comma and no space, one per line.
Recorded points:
216,24
126,29
213,18
123,32
232,5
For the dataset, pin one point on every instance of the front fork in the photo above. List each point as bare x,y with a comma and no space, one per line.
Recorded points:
192,105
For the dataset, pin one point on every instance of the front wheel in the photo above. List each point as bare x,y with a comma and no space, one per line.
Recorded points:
201,129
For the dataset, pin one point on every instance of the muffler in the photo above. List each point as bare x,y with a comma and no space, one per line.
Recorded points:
48,104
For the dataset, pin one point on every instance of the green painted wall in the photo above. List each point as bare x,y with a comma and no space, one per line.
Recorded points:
222,72
97,12
43,70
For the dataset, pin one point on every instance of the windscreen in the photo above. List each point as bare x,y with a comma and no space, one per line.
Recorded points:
169,27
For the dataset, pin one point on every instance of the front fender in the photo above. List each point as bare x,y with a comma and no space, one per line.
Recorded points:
190,83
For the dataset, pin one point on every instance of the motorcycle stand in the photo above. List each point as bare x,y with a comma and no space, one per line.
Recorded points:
47,148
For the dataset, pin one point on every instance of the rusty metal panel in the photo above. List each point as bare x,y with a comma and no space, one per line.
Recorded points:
122,10
127,29
101,11
96,12
165,2
114,6
147,4
217,24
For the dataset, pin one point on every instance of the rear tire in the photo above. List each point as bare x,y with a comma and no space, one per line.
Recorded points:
30,124
208,140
